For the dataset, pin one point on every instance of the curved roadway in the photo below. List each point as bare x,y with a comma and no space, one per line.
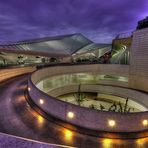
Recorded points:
17,118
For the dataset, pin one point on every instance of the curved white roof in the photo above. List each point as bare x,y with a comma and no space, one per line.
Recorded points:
51,46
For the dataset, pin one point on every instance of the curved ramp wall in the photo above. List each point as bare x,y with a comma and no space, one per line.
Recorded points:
87,118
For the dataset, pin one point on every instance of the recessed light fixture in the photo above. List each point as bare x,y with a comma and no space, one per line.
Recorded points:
41,101
70,115
29,88
111,123
145,122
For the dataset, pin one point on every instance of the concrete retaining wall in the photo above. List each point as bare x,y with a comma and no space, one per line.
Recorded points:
88,118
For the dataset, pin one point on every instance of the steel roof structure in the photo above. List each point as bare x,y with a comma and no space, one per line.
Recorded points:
98,49
59,46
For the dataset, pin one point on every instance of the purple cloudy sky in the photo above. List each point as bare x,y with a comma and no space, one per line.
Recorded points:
99,20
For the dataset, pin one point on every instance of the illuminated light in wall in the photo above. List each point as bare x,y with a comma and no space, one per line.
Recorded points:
41,101
70,115
29,88
111,123
145,122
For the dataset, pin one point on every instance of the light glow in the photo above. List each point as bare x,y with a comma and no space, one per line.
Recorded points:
141,142
107,143
68,135
40,119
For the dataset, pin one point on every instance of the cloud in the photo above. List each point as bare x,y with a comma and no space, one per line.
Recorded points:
99,20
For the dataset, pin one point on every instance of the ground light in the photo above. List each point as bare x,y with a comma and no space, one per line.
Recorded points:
107,143
40,120
141,143
68,136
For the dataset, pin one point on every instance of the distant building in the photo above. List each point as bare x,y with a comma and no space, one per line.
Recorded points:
121,45
43,50
121,48
143,23
123,38
63,49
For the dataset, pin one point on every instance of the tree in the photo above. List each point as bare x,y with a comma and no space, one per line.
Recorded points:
102,107
93,106
80,97
113,107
